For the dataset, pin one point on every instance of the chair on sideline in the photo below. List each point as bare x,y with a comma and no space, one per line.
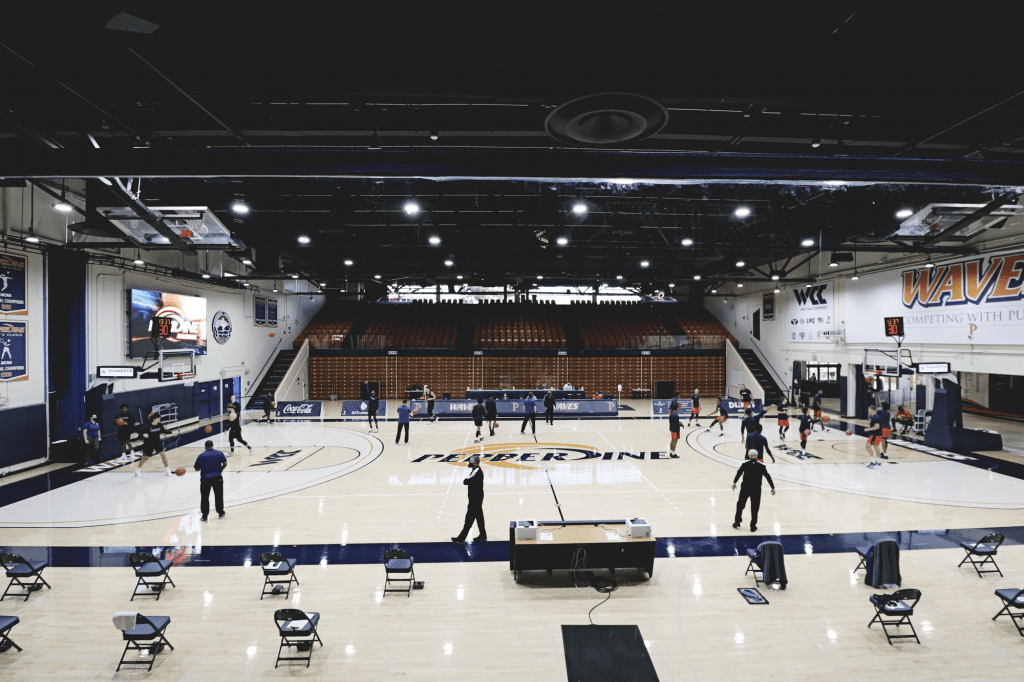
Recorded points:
893,605
18,570
6,624
985,547
295,627
148,566
1012,598
276,566
398,562
142,636
768,556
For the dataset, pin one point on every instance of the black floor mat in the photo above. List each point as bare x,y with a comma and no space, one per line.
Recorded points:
596,653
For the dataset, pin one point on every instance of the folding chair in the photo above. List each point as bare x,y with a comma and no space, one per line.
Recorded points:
1012,598
862,552
6,623
147,629
19,570
148,566
894,605
297,629
276,566
398,561
985,547
755,566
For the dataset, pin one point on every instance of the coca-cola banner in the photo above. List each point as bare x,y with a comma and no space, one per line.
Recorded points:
303,409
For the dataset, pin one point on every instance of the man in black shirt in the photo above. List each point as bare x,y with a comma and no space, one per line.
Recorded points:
478,418
674,405
549,408
429,395
752,472
475,512
694,407
491,408
268,406
372,405
235,405
125,422
745,395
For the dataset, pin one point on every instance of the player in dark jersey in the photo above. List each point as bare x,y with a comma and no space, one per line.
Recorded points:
478,418
749,422
755,441
125,423
673,429
885,420
745,395
372,405
806,426
816,406
783,411
235,431
268,406
152,444
694,407
491,408
674,405
875,439
723,416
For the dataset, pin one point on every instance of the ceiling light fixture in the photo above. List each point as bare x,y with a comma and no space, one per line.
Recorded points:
816,142
671,285
740,263
540,276
740,285
807,286
295,276
833,264
714,291
644,263
246,261
376,276
435,240
412,208
449,263
245,284
579,207
855,278
63,205
741,212
348,262
562,241
206,276
778,290
275,291
434,135
139,261
618,276
303,239
929,265
458,277
807,242
904,213
240,208
696,277
775,278
687,242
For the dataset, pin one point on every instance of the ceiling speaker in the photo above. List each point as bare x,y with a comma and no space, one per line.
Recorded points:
611,119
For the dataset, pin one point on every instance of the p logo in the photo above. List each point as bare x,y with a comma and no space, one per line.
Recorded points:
974,328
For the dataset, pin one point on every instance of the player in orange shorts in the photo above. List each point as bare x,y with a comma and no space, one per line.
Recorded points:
694,407
885,419
816,406
723,416
673,428
875,437
783,413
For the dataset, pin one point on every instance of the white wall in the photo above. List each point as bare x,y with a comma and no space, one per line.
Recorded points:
737,373
31,391
244,354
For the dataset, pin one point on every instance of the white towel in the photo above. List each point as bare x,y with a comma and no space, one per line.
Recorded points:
125,620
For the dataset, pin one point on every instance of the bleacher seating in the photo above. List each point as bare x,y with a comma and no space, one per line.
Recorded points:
619,326
325,333
704,330
519,325
416,325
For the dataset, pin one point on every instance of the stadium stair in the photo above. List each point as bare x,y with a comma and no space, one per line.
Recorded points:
272,379
772,392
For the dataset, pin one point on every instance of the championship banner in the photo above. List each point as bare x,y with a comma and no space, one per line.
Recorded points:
300,408
768,308
13,351
271,312
975,301
515,408
260,313
357,408
811,313
659,407
13,299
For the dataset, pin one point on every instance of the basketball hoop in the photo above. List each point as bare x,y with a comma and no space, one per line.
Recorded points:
193,229
185,375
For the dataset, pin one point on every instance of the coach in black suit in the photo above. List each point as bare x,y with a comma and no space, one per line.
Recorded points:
752,472
475,512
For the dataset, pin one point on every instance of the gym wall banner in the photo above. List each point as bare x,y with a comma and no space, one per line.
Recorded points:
810,314
271,312
708,407
300,408
260,312
768,308
357,408
13,300
13,351
975,301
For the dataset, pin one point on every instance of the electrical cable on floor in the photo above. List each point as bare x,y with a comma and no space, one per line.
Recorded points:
578,573
604,586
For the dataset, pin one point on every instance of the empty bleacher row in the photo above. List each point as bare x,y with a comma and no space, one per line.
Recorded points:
704,331
518,325
630,326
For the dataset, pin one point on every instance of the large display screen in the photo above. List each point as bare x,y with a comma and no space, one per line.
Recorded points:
179,322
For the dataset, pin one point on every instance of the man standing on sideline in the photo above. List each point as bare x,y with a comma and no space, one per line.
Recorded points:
745,395
478,418
752,472
211,463
491,408
529,414
673,429
91,437
125,422
694,407
475,512
549,408
371,412
235,430
403,421
428,393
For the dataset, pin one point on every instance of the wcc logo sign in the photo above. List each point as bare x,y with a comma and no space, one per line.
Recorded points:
811,313
811,295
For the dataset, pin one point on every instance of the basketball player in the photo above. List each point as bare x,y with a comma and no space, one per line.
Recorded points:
694,407
478,419
674,405
755,441
235,431
885,420
372,403
723,416
783,411
806,426
529,414
745,395
491,408
750,421
429,395
235,405
125,422
816,405
268,406
549,409
875,439
152,444
673,429
904,419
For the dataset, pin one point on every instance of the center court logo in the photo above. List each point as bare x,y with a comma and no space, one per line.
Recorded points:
521,455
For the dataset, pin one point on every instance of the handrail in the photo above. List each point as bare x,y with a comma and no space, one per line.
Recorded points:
778,377
284,389
259,375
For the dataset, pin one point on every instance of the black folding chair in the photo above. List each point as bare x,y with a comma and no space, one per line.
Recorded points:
277,570
147,566
755,566
6,623
985,547
895,606
147,635
398,562
19,571
862,552
297,629
1012,599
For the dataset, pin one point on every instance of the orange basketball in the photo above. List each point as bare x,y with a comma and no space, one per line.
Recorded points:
271,334
496,425
209,429
416,411
825,418
119,421
849,433
179,471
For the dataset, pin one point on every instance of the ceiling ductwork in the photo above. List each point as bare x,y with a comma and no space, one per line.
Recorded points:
612,119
